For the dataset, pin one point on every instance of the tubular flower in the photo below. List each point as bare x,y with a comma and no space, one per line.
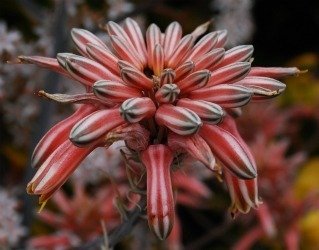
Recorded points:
177,89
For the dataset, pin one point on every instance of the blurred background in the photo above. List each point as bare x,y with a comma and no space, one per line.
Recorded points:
283,133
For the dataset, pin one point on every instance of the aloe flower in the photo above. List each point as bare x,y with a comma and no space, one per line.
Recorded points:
165,95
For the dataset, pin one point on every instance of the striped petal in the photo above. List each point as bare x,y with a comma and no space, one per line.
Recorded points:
230,73
180,51
157,160
204,45
125,51
222,38
43,62
57,168
93,127
207,111
104,57
262,87
194,81
184,70
113,29
225,95
209,60
136,109
173,35
57,135
167,76
194,145
243,193
135,78
240,53
274,72
158,60
229,151
135,34
82,37
114,91
86,70
121,64
229,124
168,93
153,37
180,120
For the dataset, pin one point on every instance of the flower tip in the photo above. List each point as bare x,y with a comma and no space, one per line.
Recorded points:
30,188
163,227
75,31
249,174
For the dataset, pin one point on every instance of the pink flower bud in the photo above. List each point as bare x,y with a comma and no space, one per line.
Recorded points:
160,203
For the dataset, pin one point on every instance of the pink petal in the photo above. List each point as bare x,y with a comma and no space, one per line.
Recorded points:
222,38
204,45
180,51
57,135
184,70
136,109
230,73
104,57
160,203
94,126
44,62
82,37
158,60
168,93
173,35
194,145
58,167
240,53
180,120
209,60
262,87
113,29
124,64
136,79
229,125
194,81
135,34
86,70
229,151
243,193
225,95
153,37
111,91
125,51
274,72
207,111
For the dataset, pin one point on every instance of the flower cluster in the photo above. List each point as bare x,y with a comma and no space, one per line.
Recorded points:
166,96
